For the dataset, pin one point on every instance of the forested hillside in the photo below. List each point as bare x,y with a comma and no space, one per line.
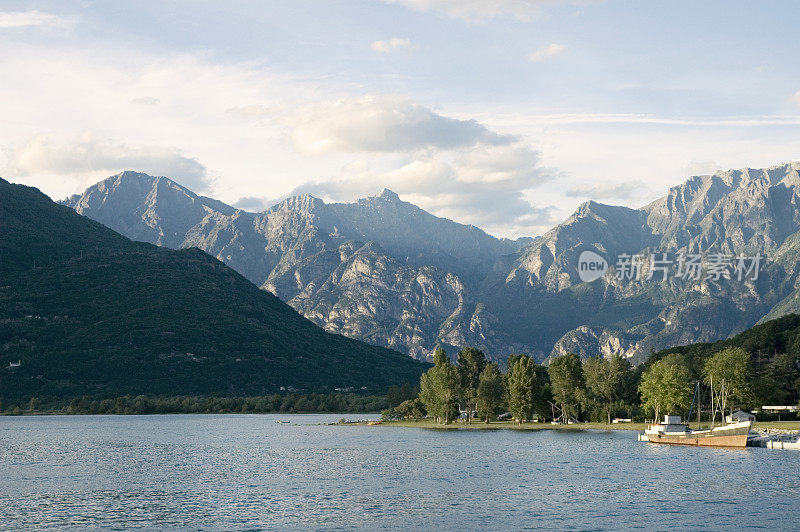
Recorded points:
86,311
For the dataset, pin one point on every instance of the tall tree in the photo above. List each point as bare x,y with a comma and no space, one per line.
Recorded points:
471,362
521,379
667,385
605,378
568,385
491,392
542,393
410,409
779,383
729,371
440,388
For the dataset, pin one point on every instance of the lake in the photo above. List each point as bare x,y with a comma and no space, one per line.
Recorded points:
245,472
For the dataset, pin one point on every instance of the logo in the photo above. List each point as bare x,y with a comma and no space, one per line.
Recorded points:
591,266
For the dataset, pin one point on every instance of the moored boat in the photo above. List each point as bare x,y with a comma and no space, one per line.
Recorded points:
673,431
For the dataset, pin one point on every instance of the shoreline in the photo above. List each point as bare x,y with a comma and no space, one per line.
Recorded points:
763,426
511,425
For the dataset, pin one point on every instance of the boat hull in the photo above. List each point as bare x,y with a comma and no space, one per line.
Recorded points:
728,436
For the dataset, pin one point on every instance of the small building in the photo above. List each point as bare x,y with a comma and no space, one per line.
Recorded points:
778,409
464,414
739,416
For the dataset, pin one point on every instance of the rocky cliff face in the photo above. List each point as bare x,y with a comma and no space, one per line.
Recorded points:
360,291
593,341
385,271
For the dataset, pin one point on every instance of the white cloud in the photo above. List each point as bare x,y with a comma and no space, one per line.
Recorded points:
88,159
606,191
390,45
454,168
477,10
648,119
382,123
694,168
252,111
146,100
483,185
61,92
796,97
546,52
253,204
24,19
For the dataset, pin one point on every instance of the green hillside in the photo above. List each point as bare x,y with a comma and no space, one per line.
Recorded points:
774,346
87,311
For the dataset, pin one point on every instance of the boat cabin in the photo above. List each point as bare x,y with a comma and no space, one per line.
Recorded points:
671,424
739,416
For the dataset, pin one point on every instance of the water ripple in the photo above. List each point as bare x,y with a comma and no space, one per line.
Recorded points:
246,472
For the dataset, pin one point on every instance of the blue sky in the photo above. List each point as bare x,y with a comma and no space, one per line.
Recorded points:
505,114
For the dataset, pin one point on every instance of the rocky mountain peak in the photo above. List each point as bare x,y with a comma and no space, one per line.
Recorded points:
593,209
305,203
146,208
134,175
389,195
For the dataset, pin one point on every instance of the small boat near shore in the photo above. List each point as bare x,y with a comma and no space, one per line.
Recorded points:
673,431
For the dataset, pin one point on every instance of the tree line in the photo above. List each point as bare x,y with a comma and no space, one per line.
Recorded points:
758,367
669,385
142,404
596,389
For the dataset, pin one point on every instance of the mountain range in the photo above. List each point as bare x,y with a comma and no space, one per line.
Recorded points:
86,311
387,272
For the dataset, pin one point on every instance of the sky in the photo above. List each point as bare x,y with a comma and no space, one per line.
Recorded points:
505,114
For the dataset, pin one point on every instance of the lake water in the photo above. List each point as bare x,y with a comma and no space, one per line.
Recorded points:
244,472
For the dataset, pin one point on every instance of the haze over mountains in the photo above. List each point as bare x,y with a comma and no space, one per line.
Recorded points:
387,272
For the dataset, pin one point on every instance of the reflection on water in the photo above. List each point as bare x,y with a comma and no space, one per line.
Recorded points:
249,472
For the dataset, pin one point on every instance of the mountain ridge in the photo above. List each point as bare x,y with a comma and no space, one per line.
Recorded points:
358,268
290,249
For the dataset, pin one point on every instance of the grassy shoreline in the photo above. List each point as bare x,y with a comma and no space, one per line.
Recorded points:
510,425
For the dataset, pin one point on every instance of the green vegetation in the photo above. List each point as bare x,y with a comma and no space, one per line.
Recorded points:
526,391
519,382
758,367
429,423
729,369
490,392
608,380
289,404
409,409
471,362
666,386
568,384
525,388
89,312
440,388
